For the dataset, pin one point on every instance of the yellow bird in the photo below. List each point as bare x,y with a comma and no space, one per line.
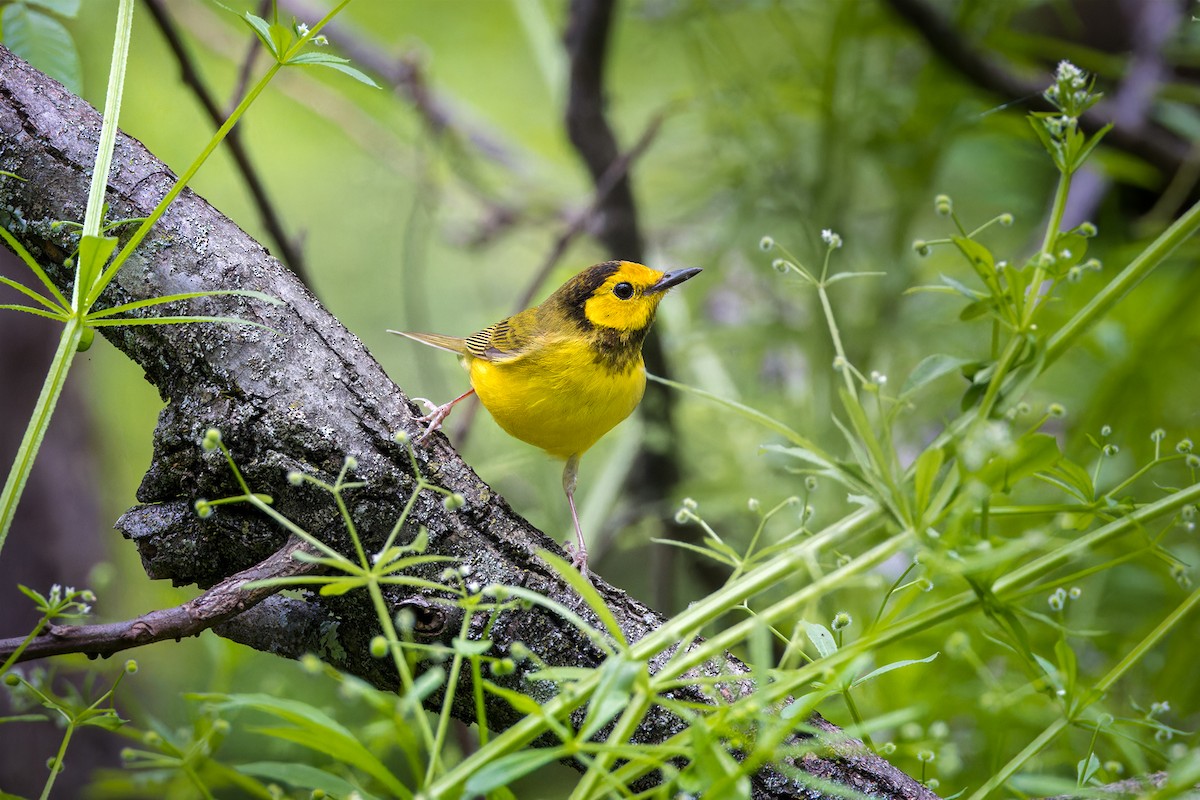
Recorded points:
562,374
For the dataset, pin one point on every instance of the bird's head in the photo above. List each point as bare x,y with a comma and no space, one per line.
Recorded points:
619,295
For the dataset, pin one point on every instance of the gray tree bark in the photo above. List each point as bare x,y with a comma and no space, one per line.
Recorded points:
304,395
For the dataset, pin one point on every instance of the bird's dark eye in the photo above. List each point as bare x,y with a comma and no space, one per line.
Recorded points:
623,291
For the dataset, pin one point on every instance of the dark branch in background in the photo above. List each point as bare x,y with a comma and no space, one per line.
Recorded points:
590,217
655,471
1151,143
1151,24
301,393
289,251
406,78
222,602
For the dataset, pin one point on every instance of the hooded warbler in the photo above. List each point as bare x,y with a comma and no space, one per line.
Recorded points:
562,374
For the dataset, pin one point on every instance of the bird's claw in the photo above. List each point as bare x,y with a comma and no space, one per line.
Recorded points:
579,559
430,406
434,417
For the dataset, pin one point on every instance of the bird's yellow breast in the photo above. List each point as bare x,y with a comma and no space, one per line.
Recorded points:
559,397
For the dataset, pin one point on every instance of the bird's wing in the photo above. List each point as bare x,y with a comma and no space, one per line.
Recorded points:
504,342
453,344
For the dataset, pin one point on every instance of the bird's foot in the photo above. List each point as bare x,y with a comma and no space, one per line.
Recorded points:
579,558
434,417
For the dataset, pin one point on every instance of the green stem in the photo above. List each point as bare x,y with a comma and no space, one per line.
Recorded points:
859,724
58,760
835,335
216,140
1145,263
1033,293
1011,351
447,703
182,182
93,215
16,655
622,732
397,651
73,332
56,378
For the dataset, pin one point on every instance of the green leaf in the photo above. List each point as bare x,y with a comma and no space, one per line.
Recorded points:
108,720
334,63
560,674
94,252
961,288
42,41
34,595
509,768
841,276
340,586
1086,150
523,704
34,267
1067,665
980,308
803,705
1074,477
1086,769
754,415
1033,453
1049,669
314,729
262,29
929,463
930,369
872,675
981,259
695,548
30,293
588,593
471,647
174,298
304,776
821,638
1074,245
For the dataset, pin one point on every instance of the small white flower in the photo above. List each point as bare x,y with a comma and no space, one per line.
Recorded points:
830,238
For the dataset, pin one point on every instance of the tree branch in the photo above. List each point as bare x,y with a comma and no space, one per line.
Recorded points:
302,393
223,601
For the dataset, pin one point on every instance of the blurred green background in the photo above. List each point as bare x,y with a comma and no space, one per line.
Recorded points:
778,118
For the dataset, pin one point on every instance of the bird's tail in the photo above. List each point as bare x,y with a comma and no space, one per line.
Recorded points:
451,344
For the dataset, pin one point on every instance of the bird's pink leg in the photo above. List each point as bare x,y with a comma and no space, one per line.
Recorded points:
578,553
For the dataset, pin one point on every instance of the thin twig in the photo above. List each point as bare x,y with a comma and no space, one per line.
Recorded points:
223,601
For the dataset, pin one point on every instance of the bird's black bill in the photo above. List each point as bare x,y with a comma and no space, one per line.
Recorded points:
673,278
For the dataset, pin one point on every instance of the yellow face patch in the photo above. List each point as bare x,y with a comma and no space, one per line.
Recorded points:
621,301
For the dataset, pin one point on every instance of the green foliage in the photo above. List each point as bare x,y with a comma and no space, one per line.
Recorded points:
987,588
31,30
